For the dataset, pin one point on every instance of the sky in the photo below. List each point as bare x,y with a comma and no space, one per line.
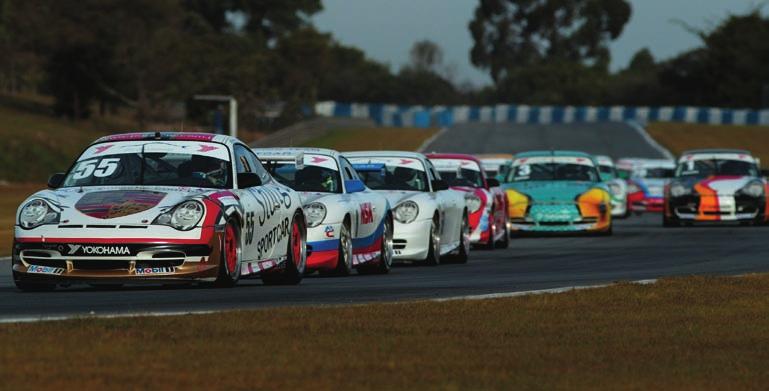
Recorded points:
386,29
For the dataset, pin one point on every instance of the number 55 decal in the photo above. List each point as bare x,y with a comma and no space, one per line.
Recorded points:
98,168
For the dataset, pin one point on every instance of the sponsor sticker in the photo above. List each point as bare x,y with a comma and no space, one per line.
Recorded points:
143,271
98,250
34,269
329,230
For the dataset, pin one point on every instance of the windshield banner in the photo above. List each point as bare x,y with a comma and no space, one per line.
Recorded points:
214,150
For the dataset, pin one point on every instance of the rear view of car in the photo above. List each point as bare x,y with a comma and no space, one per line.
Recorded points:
645,188
716,186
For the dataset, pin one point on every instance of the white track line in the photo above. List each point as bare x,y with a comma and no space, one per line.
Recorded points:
93,315
650,140
432,138
5,259
537,292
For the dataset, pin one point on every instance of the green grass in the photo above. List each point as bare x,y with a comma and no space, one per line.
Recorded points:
689,333
678,137
36,145
406,139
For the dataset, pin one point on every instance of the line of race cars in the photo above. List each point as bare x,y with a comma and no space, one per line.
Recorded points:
196,207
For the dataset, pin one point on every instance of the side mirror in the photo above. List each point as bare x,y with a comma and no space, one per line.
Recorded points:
765,173
248,179
439,185
55,181
492,182
354,186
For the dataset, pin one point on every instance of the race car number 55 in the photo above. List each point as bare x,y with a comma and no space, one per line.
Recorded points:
98,168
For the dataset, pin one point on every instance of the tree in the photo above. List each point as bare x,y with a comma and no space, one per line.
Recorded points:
426,56
512,34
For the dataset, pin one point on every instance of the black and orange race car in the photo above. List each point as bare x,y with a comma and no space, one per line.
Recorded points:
716,185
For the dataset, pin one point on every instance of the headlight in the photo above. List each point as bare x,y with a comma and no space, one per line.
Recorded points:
473,203
753,189
183,217
406,212
632,188
36,213
615,189
678,190
314,213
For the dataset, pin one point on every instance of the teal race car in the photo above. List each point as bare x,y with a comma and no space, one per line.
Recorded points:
557,191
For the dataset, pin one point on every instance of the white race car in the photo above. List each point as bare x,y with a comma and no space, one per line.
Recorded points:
617,186
431,220
160,207
349,225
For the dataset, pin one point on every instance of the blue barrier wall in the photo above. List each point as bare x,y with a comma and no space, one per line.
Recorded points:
442,116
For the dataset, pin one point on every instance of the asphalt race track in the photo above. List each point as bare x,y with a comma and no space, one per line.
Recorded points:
640,249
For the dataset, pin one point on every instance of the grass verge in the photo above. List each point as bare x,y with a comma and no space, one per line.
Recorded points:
691,333
678,137
402,139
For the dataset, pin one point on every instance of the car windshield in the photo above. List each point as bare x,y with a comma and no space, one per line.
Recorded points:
553,171
462,177
708,167
168,163
387,173
608,170
459,172
657,173
308,178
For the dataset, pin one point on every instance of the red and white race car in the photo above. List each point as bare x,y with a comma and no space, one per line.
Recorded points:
164,207
486,201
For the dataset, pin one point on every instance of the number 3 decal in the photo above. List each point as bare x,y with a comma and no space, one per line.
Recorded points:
104,168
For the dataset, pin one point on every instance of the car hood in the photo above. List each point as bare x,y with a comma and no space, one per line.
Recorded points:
116,205
561,191
721,185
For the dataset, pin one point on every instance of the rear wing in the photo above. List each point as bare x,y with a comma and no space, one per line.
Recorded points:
369,167
266,155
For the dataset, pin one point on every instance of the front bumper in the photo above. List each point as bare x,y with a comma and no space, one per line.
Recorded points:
716,208
59,262
559,217
411,241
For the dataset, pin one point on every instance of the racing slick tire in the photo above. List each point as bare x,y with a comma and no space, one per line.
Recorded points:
27,286
229,263
505,242
292,271
608,232
668,222
344,263
383,265
463,251
434,244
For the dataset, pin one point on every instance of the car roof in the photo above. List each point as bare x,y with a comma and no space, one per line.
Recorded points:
406,154
604,160
553,153
716,150
168,135
457,156
307,150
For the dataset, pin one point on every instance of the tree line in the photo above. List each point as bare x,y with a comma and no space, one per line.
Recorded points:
94,56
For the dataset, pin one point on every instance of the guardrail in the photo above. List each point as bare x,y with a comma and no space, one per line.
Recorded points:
441,116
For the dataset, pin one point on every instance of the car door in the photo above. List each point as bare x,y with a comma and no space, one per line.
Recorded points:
266,208
366,213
